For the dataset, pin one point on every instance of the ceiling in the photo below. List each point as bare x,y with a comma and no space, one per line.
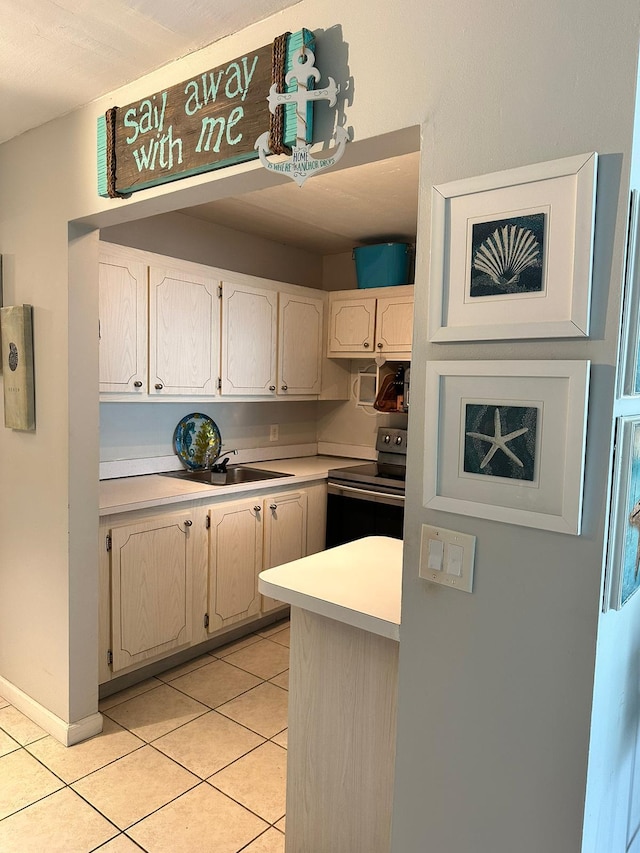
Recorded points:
332,212
58,55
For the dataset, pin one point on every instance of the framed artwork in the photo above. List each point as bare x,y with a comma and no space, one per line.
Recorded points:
16,324
511,253
507,441
623,553
629,373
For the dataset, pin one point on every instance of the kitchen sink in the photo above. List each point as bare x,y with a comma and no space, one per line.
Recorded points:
234,475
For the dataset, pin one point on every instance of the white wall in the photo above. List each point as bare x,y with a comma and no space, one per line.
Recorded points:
182,236
496,687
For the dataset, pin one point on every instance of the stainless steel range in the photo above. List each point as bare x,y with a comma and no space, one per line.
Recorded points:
368,499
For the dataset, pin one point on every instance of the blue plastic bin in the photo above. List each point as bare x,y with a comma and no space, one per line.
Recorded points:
382,265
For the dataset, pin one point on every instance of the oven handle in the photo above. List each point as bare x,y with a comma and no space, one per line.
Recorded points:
365,494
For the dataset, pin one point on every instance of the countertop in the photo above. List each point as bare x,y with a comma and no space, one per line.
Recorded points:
359,584
128,493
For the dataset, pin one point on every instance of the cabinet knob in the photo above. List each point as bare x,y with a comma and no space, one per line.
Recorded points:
272,387
285,387
366,344
159,386
137,384
379,346
257,507
188,523
273,506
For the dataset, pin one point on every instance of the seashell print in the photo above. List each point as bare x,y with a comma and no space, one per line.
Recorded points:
506,253
13,356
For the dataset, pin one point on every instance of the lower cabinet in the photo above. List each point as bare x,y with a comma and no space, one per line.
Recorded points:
171,580
235,558
246,537
151,588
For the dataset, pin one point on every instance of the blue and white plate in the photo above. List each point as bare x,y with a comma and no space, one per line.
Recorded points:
197,440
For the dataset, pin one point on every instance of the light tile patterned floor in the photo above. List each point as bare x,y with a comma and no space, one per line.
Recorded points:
192,761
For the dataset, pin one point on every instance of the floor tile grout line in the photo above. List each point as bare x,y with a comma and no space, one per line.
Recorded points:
242,805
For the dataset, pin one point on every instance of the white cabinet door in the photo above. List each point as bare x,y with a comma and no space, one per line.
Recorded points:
183,333
299,344
122,325
394,324
352,326
285,533
235,560
249,340
151,588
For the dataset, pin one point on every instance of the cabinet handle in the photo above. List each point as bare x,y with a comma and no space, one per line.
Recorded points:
188,523
272,387
257,507
273,506
159,386
366,344
379,346
137,384
285,387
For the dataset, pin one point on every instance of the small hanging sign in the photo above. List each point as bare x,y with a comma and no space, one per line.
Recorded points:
300,81
201,124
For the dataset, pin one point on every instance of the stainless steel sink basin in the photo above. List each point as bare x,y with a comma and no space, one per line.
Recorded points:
234,475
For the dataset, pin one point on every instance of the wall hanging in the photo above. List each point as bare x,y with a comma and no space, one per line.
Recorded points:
16,331
623,553
507,440
511,253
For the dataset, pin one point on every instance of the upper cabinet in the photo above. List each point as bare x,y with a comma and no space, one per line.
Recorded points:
123,324
174,329
363,324
183,333
249,338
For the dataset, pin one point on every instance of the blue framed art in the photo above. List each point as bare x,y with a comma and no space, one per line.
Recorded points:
623,556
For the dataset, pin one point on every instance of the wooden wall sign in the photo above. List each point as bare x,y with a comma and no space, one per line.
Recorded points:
205,123
17,358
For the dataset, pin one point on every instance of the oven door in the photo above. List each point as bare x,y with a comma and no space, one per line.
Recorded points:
357,511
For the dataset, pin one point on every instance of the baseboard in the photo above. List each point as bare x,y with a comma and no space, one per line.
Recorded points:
66,733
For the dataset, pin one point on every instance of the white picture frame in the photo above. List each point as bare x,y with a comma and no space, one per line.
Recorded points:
512,253
629,361
622,575
542,405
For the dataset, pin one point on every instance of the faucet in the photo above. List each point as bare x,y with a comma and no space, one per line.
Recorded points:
221,467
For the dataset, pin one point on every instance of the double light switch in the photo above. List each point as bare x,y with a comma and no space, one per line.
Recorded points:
447,557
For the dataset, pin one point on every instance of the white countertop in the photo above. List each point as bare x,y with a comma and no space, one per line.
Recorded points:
128,493
359,583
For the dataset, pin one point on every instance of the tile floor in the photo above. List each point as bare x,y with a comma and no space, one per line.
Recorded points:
191,761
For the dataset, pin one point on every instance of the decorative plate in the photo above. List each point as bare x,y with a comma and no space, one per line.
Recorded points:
197,440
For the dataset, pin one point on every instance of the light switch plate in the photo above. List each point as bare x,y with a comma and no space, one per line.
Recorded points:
458,555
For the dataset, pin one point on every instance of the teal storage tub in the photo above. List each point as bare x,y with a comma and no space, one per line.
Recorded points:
383,264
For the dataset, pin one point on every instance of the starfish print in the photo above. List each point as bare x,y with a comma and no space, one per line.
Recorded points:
499,441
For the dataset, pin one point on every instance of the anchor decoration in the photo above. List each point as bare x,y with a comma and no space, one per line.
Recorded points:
302,165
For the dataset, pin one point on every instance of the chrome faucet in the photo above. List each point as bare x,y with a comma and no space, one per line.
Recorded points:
220,467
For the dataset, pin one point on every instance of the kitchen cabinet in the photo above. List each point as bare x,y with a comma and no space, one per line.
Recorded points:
246,537
299,344
122,324
167,585
285,534
235,559
176,330
152,565
249,340
271,341
363,325
183,333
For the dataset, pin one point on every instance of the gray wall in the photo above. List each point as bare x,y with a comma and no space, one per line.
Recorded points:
496,687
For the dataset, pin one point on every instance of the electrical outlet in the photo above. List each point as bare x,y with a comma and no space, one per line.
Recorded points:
274,431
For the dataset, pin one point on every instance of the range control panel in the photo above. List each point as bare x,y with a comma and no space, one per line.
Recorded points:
391,440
